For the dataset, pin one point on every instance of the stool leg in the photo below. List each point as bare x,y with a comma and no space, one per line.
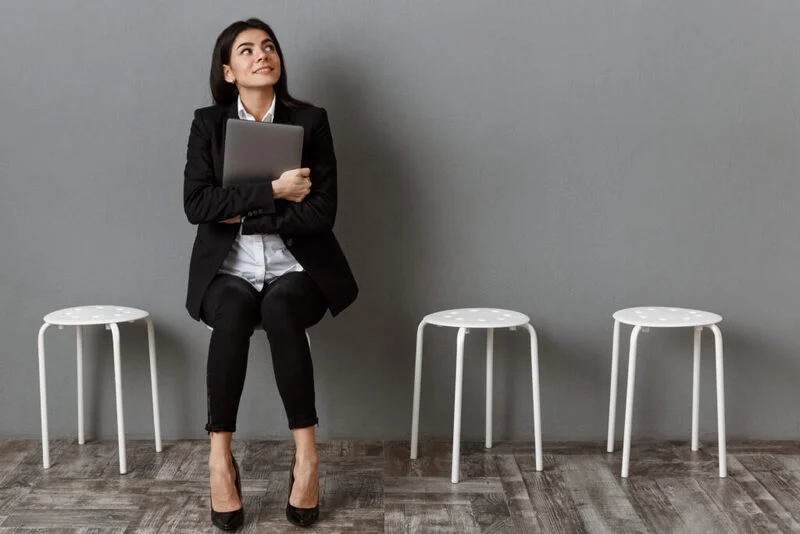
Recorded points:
417,386
489,380
698,331
462,332
723,461
43,399
79,350
537,410
118,384
612,400
151,345
626,442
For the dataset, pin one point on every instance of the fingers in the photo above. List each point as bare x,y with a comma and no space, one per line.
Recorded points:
298,196
305,172
301,184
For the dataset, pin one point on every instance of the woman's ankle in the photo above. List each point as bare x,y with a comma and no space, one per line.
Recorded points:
220,450
307,458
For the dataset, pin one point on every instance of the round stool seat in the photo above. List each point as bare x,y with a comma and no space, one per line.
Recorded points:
92,315
477,318
660,317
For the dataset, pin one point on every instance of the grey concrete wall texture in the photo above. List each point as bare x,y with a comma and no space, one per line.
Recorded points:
562,159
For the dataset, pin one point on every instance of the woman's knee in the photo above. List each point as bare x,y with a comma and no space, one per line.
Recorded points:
290,307
230,307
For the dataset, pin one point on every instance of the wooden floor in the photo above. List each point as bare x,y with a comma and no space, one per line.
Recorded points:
372,486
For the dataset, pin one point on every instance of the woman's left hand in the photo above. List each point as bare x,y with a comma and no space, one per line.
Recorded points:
234,220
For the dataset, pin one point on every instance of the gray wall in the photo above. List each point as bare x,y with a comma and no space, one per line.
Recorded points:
563,159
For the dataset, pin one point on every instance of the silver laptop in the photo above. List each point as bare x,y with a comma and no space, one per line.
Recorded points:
259,151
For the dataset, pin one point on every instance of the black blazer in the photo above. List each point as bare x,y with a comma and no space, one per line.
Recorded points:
306,227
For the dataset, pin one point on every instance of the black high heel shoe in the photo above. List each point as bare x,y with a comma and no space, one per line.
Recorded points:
301,517
230,520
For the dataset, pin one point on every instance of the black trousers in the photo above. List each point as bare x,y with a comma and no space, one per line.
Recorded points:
284,308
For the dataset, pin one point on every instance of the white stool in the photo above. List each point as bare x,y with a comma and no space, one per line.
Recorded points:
655,317
463,319
109,316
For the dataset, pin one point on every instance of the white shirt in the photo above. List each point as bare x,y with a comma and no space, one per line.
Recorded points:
259,258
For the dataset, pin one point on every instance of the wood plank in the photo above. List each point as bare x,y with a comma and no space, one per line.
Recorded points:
762,497
758,463
89,494
431,518
550,498
694,506
344,448
401,486
394,518
351,489
433,459
10,497
522,514
263,459
344,520
180,452
653,505
763,447
740,508
157,513
72,519
490,512
598,495
12,453
782,483
90,460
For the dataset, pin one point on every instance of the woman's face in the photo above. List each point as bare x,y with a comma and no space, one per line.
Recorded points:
254,62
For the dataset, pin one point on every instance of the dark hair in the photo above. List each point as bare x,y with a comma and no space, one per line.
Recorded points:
224,93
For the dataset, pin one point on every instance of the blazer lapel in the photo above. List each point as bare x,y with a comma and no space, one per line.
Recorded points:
232,112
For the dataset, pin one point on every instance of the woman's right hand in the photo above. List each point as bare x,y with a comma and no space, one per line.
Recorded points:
292,185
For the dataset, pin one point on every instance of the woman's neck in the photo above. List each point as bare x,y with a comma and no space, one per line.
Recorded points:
257,101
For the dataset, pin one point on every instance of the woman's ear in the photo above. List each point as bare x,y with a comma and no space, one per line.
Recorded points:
226,71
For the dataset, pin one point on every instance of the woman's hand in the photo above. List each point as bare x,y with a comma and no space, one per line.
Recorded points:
292,185
234,220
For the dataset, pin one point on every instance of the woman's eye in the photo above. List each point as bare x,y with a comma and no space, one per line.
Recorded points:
245,51
270,48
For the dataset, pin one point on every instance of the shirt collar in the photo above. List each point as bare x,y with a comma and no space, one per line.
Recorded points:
245,116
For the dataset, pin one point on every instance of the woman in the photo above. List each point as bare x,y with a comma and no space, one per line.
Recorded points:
264,254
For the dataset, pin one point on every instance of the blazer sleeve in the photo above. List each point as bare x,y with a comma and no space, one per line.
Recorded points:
317,211
203,200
